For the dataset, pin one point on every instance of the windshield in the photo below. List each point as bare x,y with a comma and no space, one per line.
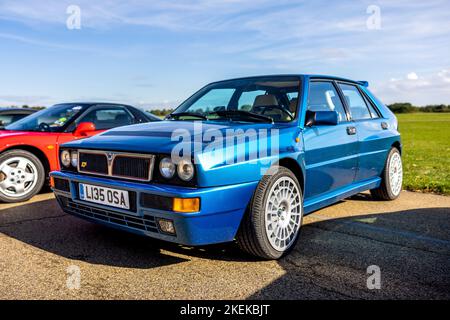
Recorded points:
250,100
52,119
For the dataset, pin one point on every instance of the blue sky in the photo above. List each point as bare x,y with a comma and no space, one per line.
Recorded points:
157,53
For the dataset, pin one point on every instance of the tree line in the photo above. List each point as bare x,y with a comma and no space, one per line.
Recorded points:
160,112
406,107
25,106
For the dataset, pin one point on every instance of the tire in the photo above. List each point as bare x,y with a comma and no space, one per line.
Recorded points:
256,234
391,178
19,184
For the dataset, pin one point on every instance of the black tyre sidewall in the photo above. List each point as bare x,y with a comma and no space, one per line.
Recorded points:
40,174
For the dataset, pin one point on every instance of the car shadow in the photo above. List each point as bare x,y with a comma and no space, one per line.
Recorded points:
330,260
44,225
411,248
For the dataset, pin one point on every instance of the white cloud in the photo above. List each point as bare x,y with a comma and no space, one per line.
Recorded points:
412,76
431,88
444,75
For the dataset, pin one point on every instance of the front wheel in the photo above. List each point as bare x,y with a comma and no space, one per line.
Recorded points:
271,225
22,175
391,178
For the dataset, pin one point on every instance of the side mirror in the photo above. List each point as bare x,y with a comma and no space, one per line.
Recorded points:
83,129
321,118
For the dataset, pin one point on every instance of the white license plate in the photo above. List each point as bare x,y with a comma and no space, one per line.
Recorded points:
107,196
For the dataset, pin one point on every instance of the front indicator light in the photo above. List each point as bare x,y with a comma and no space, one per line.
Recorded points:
166,226
186,205
52,182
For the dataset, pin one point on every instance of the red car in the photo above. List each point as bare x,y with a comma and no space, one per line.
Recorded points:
29,147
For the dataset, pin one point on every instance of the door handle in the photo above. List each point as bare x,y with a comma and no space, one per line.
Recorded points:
351,130
384,125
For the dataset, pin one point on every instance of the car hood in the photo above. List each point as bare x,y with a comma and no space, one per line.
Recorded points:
161,137
215,161
10,133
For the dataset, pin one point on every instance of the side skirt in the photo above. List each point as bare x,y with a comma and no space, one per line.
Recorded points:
318,202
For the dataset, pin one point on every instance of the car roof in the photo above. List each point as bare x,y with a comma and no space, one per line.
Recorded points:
91,104
97,103
310,76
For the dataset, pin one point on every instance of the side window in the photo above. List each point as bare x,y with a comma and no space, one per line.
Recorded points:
372,110
247,98
356,103
324,97
6,120
107,118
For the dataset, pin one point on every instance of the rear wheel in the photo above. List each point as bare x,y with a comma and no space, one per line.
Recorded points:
391,179
22,175
271,226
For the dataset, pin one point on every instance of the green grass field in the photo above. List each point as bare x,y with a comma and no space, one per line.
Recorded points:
426,151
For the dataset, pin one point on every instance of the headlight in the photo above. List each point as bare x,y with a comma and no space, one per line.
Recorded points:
185,170
65,158
167,168
74,158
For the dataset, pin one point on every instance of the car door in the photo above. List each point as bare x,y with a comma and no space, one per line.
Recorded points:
330,150
370,130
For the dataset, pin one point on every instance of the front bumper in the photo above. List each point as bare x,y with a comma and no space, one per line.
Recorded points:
221,211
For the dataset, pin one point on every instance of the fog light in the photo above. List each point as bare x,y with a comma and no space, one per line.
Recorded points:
166,226
186,204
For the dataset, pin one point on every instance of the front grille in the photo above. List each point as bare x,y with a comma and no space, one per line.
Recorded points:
61,184
93,163
145,223
130,166
126,166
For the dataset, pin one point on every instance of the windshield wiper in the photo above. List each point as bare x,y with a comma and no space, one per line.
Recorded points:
230,114
186,114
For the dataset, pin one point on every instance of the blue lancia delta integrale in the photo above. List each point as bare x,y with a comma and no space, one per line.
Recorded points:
240,160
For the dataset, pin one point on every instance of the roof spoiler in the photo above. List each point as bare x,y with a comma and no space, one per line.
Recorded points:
364,83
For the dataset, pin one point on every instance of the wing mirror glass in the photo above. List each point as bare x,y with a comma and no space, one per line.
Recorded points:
329,118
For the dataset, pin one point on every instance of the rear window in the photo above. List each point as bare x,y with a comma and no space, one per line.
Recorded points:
356,102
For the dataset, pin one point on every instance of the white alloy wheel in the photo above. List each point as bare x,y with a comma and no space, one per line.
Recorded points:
18,176
395,174
391,178
283,213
